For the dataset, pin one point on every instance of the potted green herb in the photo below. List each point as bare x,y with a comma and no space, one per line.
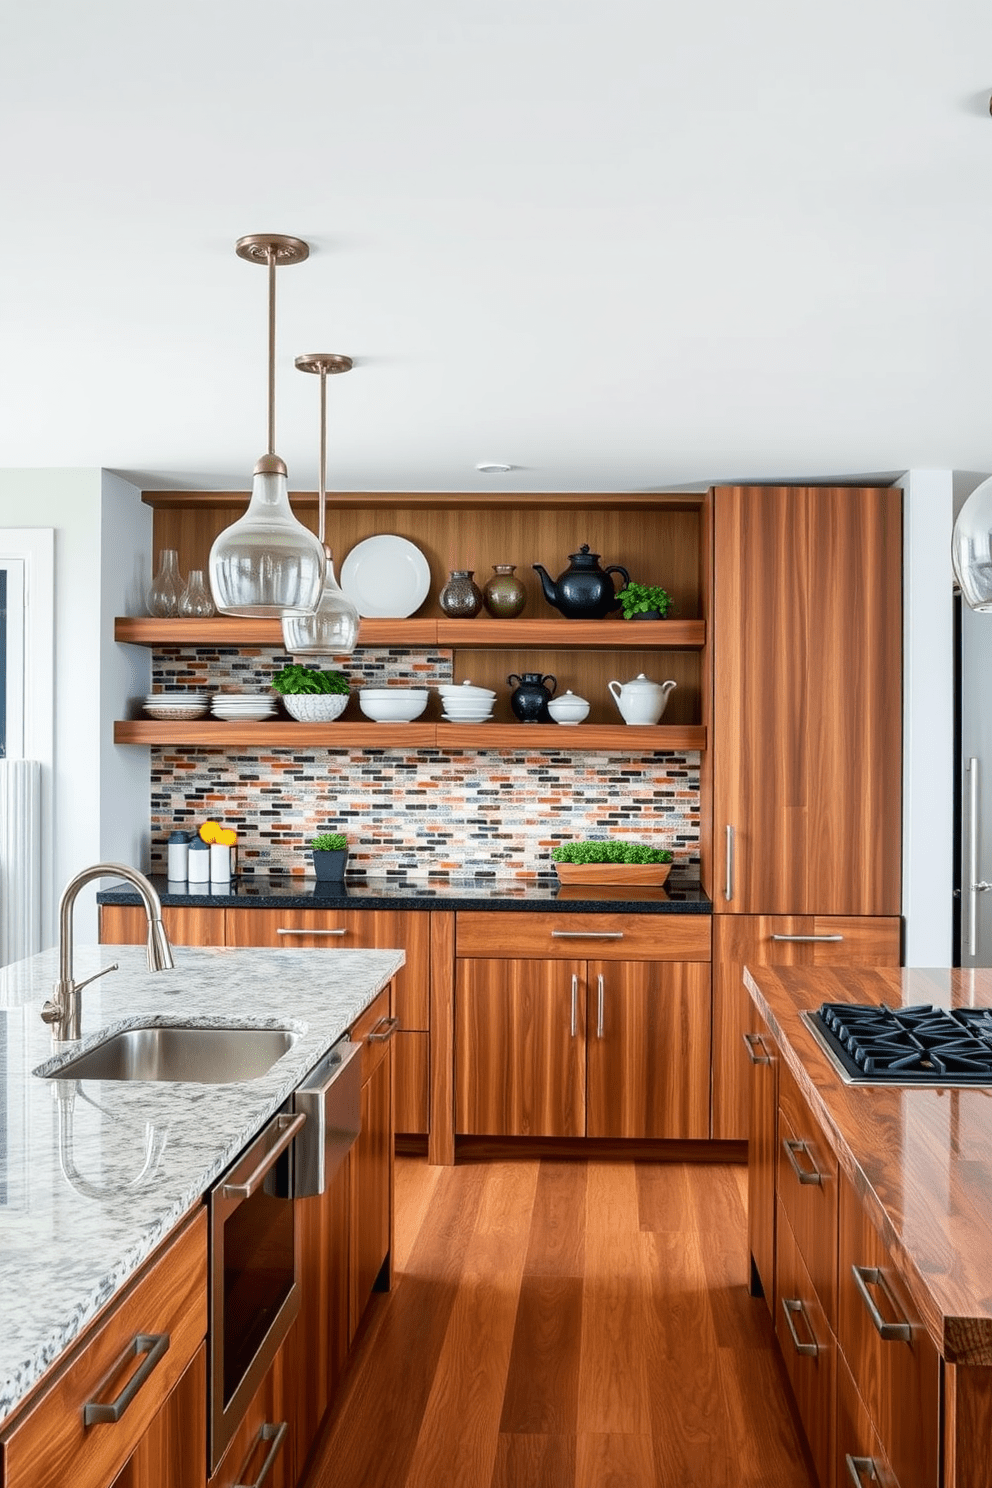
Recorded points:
310,695
611,862
645,602
330,856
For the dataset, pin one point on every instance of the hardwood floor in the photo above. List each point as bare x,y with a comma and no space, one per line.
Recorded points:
565,1325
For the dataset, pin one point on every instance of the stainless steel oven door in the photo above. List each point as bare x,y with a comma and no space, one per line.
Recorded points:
254,1270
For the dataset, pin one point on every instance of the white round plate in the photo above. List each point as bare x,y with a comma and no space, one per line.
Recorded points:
386,577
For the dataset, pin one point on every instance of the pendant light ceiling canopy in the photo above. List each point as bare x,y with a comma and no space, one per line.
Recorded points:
267,562
971,548
332,629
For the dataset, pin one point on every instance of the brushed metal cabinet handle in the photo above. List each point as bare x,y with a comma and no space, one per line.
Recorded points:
792,1306
575,1004
383,1031
861,1470
282,930
728,886
792,1150
153,1346
288,1126
276,1435
807,939
751,1041
599,1009
587,935
973,856
869,1276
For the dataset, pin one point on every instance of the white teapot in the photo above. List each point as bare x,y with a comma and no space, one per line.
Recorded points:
641,701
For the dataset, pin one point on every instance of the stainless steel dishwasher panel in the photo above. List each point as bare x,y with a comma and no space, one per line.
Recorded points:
331,1097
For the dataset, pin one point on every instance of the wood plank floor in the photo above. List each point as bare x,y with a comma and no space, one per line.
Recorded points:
565,1325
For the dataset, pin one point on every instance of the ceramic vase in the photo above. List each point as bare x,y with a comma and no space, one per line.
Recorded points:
461,598
504,596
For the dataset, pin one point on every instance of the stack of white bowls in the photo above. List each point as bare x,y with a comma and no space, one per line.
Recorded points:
243,707
177,706
467,704
392,704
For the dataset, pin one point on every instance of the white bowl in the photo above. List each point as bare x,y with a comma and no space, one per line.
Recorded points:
258,716
568,708
485,711
476,718
465,691
315,707
392,705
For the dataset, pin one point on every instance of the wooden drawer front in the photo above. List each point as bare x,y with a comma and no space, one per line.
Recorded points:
808,1348
411,1062
614,937
374,1029
859,1459
898,1379
127,924
52,1446
173,1451
350,930
806,1179
265,1435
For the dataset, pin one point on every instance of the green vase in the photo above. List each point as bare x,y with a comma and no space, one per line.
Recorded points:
504,596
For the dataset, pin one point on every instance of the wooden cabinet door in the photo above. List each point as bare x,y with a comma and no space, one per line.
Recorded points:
126,924
173,1451
263,1449
411,1079
648,1042
808,1349
371,1190
807,715
764,940
520,1048
318,1342
761,1161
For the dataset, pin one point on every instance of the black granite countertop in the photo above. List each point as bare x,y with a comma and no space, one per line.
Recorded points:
679,896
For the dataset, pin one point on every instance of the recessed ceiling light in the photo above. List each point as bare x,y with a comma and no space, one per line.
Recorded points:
492,467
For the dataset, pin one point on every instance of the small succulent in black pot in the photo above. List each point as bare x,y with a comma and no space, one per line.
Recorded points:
330,856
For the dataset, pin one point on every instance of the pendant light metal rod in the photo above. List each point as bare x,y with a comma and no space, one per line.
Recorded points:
326,363
271,255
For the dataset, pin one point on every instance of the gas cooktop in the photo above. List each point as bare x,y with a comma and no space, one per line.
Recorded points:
879,1045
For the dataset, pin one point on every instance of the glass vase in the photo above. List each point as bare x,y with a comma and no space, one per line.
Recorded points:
167,585
195,602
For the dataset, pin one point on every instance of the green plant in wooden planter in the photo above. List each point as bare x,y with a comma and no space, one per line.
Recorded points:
610,852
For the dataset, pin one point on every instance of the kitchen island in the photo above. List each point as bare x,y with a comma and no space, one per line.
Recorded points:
870,1228
94,1176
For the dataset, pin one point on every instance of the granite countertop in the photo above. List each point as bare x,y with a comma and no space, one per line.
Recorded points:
80,1206
678,896
920,1159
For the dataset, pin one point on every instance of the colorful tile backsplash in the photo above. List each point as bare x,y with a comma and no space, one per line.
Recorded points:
421,813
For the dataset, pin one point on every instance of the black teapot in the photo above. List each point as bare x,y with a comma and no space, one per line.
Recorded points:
584,591
531,698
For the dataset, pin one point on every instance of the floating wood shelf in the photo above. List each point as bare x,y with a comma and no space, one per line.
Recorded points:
287,734
639,635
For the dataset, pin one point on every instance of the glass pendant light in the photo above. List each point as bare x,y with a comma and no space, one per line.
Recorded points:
971,548
267,562
332,629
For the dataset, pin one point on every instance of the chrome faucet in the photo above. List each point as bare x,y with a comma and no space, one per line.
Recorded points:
64,1008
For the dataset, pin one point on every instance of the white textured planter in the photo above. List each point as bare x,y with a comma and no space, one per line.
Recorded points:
315,707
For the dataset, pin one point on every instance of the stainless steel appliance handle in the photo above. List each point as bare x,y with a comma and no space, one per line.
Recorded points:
153,1346
383,1031
288,1126
807,939
861,1470
790,1306
728,885
276,1435
283,930
792,1149
575,1004
752,1041
869,1276
587,935
599,1010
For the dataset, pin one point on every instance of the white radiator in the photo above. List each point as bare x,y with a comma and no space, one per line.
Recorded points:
20,859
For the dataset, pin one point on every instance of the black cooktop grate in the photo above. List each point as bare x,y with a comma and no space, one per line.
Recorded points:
908,1046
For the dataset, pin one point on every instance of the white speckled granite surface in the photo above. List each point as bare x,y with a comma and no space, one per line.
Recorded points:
93,1175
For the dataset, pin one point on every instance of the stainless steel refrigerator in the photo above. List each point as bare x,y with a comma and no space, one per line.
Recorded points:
973,699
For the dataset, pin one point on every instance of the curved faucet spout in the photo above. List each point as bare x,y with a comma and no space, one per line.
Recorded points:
63,1011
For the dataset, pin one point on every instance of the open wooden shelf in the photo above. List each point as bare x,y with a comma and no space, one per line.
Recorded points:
287,734
478,634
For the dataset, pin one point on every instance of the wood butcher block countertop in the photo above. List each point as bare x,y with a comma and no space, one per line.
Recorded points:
921,1159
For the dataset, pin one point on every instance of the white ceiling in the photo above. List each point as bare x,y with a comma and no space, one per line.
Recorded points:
618,244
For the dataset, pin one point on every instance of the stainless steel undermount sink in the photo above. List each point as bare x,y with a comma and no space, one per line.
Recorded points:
205,1056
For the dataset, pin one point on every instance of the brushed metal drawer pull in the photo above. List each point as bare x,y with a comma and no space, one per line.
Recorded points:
752,1041
861,1470
869,1276
287,1126
792,1305
587,935
153,1346
792,1150
599,1010
383,1030
276,1435
284,931
808,939
728,887
575,1004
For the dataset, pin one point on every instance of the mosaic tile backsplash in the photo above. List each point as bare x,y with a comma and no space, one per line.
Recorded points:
409,813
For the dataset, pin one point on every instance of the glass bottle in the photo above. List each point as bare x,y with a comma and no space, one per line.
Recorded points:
167,585
195,602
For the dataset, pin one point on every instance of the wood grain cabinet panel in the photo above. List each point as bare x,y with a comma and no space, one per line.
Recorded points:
648,1039
263,1448
756,940
126,924
411,1083
619,937
371,1191
858,1455
807,714
761,1161
897,1377
808,1348
172,1453
806,1183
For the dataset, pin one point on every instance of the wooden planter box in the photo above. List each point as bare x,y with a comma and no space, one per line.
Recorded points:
613,873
